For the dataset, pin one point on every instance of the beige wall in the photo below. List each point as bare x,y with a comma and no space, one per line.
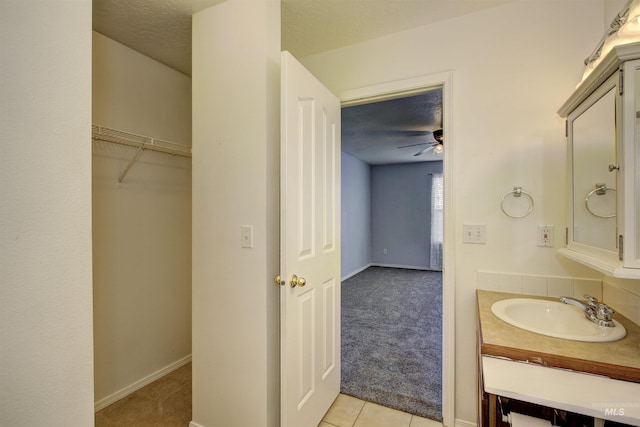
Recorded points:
527,51
137,94
236,139
46,360
142,226
513,66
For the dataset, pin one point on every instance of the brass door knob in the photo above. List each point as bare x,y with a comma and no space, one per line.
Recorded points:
278,280
297,281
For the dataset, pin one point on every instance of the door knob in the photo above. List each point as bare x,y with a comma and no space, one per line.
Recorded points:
278,280
297,281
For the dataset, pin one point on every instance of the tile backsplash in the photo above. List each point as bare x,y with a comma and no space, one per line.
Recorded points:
539,285
622,295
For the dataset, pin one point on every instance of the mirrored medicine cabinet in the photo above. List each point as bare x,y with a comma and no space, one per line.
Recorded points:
603,136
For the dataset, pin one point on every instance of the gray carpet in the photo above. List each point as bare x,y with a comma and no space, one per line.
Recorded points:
392,338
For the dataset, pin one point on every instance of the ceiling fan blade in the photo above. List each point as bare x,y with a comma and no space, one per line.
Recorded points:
401,132
413,145
426,150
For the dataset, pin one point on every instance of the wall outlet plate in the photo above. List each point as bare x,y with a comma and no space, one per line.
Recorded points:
545,235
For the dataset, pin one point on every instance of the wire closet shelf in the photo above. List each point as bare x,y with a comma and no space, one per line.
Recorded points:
141,142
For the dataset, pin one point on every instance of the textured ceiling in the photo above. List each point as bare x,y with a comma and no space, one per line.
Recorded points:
393,131
161,29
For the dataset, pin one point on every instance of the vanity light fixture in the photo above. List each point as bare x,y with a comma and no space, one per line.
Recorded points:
624,29
631,29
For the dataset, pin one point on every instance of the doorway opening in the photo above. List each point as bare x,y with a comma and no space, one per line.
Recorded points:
388,172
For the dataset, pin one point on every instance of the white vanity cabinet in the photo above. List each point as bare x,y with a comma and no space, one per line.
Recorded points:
591,379
603,139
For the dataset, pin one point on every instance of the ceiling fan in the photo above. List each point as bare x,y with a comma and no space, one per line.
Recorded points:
436,146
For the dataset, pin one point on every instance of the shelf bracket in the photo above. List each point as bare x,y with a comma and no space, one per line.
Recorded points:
135,158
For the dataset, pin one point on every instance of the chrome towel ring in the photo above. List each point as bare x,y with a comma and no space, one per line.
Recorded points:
600,190
517,192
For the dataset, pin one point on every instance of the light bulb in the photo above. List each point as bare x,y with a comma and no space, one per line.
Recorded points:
630,30
439,149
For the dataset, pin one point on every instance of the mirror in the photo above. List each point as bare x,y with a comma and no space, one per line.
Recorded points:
636,132
594,185
603,135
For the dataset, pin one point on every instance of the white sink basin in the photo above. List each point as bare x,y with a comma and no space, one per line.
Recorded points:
555,319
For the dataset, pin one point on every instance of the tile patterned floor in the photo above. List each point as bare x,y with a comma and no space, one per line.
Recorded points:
167,403
348,411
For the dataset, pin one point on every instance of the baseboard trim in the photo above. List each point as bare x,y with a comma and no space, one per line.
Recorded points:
408,267
464,423
353,273
124,392
194,424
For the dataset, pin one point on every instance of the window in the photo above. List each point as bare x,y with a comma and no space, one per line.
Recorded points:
437,221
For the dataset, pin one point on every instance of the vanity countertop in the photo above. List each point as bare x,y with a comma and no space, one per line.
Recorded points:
617,359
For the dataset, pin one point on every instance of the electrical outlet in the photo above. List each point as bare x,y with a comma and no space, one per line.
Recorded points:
474,234
545,235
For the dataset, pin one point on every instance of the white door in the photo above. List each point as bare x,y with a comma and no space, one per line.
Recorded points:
309,246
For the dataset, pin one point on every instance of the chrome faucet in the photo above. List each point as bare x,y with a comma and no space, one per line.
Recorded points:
599,313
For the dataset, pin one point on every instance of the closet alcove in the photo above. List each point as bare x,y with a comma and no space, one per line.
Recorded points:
141,212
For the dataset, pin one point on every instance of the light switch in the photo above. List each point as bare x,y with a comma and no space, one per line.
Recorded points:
246,236
474,234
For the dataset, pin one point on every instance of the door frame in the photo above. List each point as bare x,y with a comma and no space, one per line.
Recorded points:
404,88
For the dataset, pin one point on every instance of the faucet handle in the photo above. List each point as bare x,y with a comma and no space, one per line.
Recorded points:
604,312
593,302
